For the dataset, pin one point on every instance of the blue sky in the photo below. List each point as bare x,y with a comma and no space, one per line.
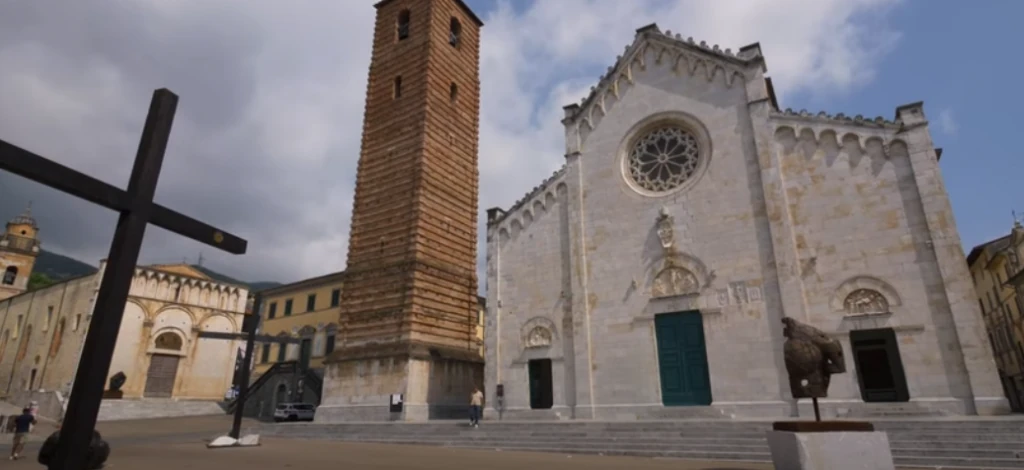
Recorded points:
954,56
267,134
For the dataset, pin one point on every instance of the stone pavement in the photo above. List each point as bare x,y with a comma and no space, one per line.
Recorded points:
179,443
324,455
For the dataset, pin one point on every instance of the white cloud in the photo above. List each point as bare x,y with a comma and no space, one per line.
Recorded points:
946,123
269,124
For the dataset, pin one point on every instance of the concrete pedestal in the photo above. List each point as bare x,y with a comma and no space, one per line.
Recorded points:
838,450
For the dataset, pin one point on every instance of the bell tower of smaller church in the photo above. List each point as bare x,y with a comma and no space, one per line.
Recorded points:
19,247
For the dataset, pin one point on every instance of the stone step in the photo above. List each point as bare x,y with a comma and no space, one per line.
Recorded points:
119,410
903,457
908,447
913,443
915,435
1012,447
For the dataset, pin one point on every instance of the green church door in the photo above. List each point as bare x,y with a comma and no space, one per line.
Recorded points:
682,359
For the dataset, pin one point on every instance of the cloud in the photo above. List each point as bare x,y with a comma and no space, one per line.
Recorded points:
946,123
268,128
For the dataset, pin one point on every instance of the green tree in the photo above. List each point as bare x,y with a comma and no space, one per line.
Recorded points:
39,281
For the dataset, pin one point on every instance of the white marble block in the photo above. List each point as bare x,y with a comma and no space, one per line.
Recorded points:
844,450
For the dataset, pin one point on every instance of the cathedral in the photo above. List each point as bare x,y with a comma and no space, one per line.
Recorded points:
648,278
158,348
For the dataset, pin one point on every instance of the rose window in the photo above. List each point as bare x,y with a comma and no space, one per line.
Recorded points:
664,159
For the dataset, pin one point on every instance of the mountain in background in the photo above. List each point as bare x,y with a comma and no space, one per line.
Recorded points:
59,267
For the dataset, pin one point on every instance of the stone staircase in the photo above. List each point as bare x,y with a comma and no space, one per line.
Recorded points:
148,408
944,443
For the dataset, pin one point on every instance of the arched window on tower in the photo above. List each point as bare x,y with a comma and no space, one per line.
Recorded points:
454,32
453,92
398,87
403,24
9,275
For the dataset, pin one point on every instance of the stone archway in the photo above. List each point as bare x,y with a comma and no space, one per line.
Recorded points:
163,365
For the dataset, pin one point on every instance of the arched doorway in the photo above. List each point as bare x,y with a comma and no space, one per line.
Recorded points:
163,365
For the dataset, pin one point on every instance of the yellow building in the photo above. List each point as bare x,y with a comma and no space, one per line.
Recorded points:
19,247
307,310
995,268
158,345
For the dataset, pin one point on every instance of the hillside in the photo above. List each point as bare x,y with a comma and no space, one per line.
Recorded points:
59,267
253,286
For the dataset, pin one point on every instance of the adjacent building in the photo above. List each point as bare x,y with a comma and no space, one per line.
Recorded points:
307,310
998,277
19,247
648,277
158,345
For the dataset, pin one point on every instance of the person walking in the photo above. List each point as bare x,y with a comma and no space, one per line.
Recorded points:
475,402
22,426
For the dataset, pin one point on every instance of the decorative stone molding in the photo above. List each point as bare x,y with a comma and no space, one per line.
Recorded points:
538,201
675,281
664,228
843,332
667,50
882,141
688,264
538,332
539,337
864,295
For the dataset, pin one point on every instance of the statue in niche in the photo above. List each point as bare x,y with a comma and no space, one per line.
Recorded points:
674,281
539,337
866,301
664,228
811,358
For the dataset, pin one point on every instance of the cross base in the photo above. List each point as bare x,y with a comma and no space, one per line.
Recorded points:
248,440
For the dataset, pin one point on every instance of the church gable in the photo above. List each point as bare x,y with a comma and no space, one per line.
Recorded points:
181,270
653,48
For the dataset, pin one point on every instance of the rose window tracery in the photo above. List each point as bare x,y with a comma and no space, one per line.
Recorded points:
664,159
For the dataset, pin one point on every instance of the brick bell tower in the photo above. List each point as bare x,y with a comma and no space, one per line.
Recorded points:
409,305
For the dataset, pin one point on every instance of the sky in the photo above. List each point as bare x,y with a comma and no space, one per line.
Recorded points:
267,133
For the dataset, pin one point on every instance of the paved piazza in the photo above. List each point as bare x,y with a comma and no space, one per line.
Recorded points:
177,444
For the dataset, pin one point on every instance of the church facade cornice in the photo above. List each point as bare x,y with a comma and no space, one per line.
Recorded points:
683,55
854,129
496,216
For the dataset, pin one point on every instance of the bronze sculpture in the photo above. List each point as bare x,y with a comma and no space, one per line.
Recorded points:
811,359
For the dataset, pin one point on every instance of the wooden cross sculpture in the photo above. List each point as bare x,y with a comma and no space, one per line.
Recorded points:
137,210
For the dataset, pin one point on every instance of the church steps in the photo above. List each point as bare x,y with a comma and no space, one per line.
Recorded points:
974,444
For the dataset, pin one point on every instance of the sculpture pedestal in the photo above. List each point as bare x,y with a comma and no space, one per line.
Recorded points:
113,394
829,445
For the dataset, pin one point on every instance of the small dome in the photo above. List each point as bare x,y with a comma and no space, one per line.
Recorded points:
25,218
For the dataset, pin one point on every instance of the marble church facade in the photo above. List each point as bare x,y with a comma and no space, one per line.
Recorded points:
648,277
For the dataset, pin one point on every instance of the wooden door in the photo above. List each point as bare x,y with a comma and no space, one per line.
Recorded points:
876,355
163,369
682,359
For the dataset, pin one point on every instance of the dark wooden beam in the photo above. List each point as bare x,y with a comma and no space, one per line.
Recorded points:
137,210
36,168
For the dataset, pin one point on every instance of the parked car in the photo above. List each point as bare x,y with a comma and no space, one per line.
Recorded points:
294,412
